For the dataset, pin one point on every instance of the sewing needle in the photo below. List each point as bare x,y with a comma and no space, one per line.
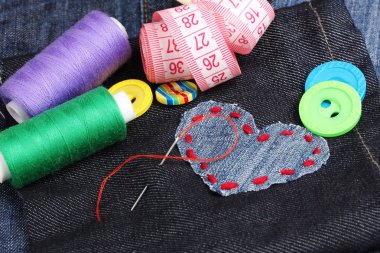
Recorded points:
169,151
139,198
162,162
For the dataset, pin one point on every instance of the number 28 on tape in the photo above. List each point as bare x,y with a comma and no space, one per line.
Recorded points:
199,40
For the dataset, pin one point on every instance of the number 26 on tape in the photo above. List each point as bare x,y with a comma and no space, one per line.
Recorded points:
210,62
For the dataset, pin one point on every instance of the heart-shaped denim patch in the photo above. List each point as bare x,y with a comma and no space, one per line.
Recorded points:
276,154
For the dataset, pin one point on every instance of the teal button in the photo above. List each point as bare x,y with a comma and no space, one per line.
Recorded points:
342,113
338,71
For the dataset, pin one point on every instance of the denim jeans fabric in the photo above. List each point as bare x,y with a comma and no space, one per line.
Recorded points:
28,26
335,209
366,14
13,236
51,18
254,157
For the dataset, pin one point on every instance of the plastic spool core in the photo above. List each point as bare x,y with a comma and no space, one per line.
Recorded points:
4,169
125,105
17,112
117,22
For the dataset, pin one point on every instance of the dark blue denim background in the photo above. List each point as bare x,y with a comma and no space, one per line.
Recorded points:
28,26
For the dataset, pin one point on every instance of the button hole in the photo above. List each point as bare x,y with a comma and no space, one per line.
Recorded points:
326,103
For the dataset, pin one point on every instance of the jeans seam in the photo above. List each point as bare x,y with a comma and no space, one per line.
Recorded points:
320,24
146,10
319,20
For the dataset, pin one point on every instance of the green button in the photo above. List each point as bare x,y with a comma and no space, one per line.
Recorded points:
341,115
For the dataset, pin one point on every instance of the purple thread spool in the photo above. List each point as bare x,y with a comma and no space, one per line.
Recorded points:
79,60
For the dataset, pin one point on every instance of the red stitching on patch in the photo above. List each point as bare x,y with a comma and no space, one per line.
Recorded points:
188,138
308,138
260,180
316,151
287,132
198,117
229,186
263,137
216,109
190,153
235,115
247,129
204,166
287,172
211,178
308,163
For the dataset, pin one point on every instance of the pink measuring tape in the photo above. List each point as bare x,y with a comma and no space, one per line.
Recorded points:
199,40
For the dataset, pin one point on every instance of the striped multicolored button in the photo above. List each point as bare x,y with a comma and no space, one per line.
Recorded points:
176,93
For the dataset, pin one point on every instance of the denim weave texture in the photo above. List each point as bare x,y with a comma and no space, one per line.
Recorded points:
335,209
28,26
253,158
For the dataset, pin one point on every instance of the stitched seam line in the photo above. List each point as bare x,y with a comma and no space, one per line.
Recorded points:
371,157
367,149
322,29
146,10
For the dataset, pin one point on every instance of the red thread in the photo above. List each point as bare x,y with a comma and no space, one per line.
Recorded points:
188,138
287,132
308,163
287,172
308,138
247,129
235,115
152,156
216,109
190,153
229,186
316,151
260,180
204,166
197,118
263,137
211,178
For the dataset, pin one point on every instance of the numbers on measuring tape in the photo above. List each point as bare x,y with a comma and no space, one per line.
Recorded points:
176,67
180,9
231,31
190,20
204,43
235,3
193,44
262,28
172,46
210,62
243,40
219,78
164,27
251,15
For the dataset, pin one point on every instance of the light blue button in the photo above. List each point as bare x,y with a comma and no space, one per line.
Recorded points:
338,71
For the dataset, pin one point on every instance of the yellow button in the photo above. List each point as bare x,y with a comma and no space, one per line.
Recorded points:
138,92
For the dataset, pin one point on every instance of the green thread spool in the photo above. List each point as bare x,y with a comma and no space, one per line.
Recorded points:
63,135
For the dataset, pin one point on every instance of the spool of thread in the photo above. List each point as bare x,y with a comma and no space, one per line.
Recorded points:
63,135
78,61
